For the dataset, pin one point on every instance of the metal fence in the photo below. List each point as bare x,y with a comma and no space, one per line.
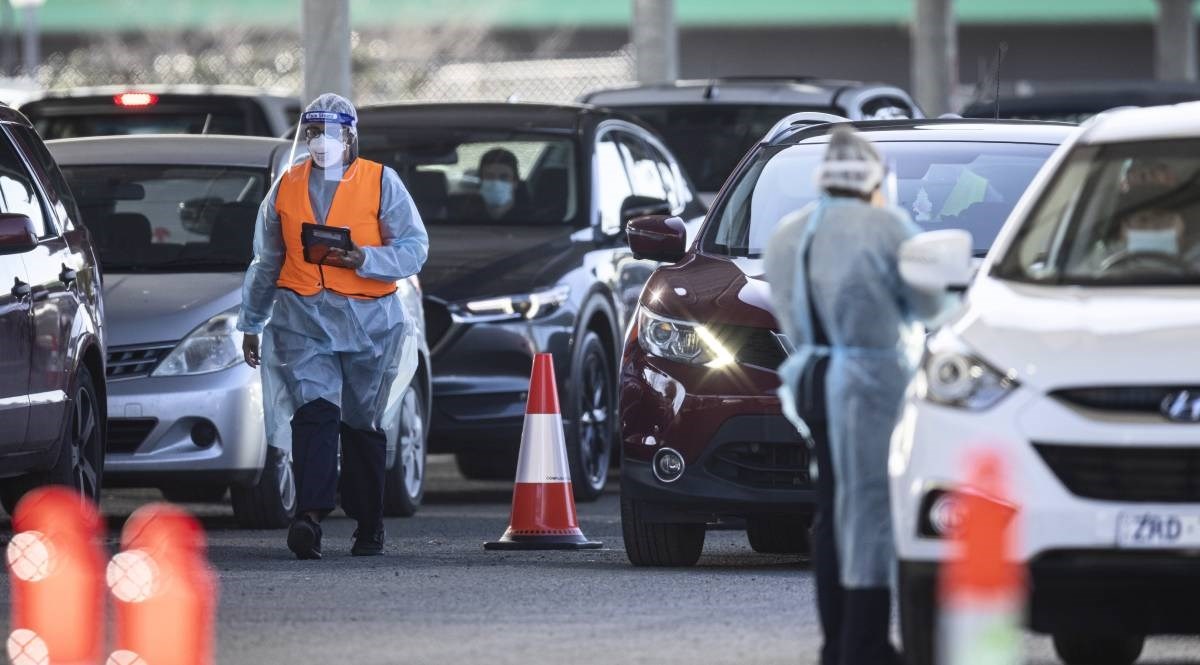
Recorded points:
448,66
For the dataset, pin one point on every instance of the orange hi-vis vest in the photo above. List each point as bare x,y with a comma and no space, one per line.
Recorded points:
355,206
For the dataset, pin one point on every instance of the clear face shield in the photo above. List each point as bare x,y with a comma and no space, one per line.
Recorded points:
330,140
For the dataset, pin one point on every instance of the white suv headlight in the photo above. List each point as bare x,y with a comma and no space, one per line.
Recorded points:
214,346
681,341
952,376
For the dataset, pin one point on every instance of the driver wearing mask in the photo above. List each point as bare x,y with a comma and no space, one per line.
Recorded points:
503,195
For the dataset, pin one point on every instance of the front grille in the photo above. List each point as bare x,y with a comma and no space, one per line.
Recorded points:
128,362
125,435
1136,474
437,321
754,346
1130,399
775,466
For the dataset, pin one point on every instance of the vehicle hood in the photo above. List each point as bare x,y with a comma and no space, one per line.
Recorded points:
467,261
712,289
146,308
1055,337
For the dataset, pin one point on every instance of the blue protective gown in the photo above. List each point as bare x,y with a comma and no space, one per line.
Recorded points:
358,354
872,321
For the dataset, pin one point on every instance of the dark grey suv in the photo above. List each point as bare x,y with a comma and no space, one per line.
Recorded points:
52,386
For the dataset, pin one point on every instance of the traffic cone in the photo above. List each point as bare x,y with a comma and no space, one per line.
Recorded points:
164,591
543,506
982,591
56,568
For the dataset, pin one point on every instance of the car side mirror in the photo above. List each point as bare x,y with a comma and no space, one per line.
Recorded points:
657,238
938,261
17,234
640,206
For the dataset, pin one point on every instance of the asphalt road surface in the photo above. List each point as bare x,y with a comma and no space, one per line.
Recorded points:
438,597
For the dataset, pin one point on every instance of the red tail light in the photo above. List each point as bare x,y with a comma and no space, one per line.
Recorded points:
135,99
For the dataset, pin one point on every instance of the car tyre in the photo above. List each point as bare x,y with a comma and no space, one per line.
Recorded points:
779,534
271,502
487,465
1075,649
80,462
918,619
194,493
591,410
405,481
659,544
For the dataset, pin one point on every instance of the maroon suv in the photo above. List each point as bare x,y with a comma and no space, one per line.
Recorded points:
704,440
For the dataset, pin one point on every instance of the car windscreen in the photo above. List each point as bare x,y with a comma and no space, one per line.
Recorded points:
1114,215
942,184
126,123
468,176
709,140
169,218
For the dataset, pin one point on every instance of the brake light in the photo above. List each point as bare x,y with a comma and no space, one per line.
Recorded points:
135,99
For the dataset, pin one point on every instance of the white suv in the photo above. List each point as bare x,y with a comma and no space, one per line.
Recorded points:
1077,355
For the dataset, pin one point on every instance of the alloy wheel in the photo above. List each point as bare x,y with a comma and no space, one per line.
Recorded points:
86,464
595,427
411,449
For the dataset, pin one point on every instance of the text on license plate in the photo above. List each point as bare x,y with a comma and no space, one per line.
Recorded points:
1158,530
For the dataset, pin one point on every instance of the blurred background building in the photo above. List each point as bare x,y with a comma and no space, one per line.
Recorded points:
554,50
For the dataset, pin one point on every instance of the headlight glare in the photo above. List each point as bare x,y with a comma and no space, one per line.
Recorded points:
681,341
214,346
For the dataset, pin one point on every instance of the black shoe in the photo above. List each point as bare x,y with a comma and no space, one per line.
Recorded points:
304,538
368,545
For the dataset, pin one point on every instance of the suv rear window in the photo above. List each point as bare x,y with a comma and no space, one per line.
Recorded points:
124,123
709,140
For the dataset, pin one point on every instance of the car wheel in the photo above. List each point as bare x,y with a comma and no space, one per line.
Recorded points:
918,620
194,493
80,463
271,502
592,410
657,544
1099,649
779,534
487,465
405,485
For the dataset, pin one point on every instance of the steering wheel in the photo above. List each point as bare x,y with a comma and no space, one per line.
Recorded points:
1125,257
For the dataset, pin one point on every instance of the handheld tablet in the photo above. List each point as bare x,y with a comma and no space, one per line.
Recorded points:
318,239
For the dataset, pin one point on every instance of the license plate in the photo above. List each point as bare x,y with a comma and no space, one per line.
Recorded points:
1158,530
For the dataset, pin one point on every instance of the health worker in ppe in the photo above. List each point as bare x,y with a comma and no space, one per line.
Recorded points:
839,298
334,235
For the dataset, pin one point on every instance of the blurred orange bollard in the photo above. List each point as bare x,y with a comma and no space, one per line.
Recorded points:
56,567
982,590
163,590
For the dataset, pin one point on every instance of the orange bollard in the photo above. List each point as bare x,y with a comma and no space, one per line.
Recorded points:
543,506
56,567
982,590
164,591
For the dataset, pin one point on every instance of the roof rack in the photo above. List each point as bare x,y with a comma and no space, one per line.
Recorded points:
800,120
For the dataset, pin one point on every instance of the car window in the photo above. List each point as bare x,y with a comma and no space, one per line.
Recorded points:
170,218
120,124
941,184
1116,215
17,191
444,171
654,175
53,182
613,184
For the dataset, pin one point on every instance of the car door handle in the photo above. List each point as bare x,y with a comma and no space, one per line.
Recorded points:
20,289
67,275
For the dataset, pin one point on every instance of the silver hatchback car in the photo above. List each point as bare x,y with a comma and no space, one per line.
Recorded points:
173,220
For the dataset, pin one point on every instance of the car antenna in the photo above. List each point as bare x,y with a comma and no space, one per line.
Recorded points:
1001,51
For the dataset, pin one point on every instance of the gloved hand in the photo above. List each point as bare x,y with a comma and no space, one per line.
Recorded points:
342,258
250,350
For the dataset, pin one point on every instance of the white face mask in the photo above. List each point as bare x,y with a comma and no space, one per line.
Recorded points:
327,152
1158,242
496,193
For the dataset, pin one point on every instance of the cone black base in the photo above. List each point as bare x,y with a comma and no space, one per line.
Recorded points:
508,542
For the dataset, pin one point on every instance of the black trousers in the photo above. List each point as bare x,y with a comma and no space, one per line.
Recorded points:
854,622
316,428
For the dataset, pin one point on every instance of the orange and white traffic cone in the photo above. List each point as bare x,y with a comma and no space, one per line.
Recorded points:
56,566
982,590
543,507
164,591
